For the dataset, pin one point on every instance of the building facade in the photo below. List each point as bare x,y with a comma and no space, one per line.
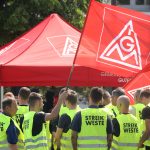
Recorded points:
139,5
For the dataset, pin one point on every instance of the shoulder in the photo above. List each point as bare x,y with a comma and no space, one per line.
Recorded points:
64,117
39,115
146,113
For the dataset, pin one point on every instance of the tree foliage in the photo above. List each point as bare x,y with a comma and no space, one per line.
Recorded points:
18,16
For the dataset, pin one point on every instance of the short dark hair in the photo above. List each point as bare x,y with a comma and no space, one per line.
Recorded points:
7,102
118,92
106,95
33,98
24,93
137,94
63,89
145,93
96,94
72,97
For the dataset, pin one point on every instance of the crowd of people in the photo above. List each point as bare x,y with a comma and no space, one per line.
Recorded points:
109,122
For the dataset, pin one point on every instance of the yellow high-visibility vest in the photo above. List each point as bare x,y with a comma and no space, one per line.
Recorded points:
66,137
4,124
130,133
20,113
93,133
38,142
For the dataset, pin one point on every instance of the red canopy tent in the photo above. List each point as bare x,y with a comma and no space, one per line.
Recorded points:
44,56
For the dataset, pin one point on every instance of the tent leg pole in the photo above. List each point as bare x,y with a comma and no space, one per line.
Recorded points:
2,95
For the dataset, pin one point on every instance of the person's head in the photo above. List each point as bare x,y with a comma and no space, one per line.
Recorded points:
35,89
145,96
137,96
24,93
106,98
35,102
96,96
9,94
9,106
116,93
71,99
123,103
61,91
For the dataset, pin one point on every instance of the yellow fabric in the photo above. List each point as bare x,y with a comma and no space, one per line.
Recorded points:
4,124
20,112
130,133
109,112
38,142
20,142
114,110
138,110
63,109
93,130
66,137
48,134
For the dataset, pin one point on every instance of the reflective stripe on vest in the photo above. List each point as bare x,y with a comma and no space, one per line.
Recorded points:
3,142
93,129
36,146
92,145
125,144
92,138
5,122
66,137
38,142
129,133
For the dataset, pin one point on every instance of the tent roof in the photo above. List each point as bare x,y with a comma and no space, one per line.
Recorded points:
44,56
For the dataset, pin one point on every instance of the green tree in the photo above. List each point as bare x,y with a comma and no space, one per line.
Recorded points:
18,16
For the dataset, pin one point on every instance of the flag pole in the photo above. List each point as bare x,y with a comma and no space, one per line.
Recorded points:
2,92
73,65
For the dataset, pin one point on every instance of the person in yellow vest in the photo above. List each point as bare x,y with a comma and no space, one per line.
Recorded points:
9,94
115,94
11,137
33,123
105,103
145,139
126,127
92,127
23,97
138,106
106,98
63,133
54,123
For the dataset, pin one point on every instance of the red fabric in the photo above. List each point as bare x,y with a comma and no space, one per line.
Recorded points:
44,56
117,40
140,82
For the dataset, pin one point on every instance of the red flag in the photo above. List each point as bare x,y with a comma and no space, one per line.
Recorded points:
117,38
140,82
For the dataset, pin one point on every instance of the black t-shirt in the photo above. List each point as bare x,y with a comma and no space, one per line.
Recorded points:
116,127
38,120
146,113
53,124
64,122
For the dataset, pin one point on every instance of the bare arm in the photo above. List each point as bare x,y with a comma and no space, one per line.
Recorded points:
56,109
74,138
146,134
109,140
13,147
58,135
